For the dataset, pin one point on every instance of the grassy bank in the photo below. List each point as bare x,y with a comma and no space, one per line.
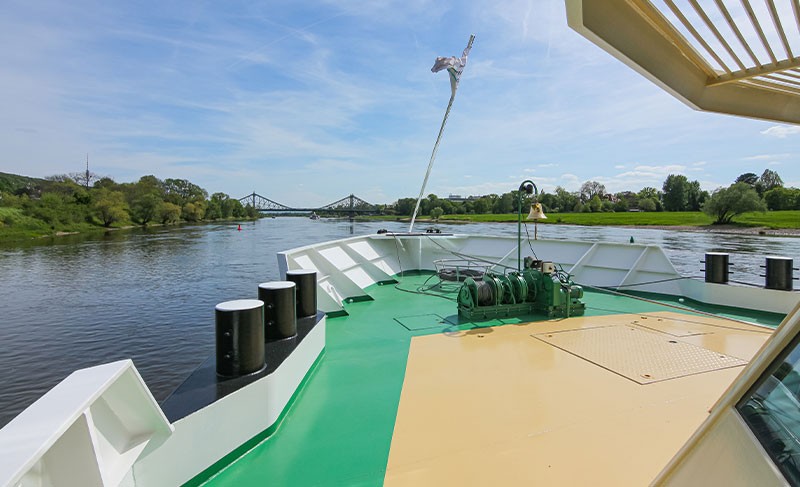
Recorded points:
14,225
770,219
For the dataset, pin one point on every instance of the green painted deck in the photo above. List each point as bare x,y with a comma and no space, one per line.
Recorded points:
338,430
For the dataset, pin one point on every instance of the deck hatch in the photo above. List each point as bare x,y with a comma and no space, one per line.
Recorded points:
639,355
421,322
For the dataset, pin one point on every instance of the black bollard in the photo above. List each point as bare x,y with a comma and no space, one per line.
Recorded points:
306,282
779,273
280,318
717,267
240,337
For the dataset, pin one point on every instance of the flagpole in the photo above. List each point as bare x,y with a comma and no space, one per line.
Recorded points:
438,139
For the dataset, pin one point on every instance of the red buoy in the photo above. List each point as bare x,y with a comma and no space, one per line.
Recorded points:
240,228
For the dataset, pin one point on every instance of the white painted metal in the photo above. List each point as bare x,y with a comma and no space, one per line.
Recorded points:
275,285
754,298
86,431
347,267
239,305
204,437
642,36
723,451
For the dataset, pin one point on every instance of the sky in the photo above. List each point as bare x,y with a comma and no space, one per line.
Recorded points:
305,102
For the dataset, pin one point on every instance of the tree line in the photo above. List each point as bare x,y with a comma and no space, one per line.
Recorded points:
67,201
749,192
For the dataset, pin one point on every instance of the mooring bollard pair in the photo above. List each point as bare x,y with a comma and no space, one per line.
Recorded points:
243,326
778,270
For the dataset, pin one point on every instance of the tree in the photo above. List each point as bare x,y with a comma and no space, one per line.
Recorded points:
482,205
566,201
648,192
748,178
171,213
726,203
621,205
676,192
595,204
109,206
549,201
84,178
193,212
146,208
436,213
232,208
506,203
590,189
769,179
105,183
647,204
780,198
695,196
181,191
405,206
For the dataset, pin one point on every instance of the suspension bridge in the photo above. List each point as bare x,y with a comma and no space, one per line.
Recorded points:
349,205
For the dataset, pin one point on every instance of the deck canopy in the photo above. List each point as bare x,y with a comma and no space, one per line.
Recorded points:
739,58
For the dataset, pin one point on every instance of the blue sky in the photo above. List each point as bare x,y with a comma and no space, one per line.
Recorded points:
306,102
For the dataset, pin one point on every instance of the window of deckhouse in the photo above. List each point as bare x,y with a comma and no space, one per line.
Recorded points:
772,411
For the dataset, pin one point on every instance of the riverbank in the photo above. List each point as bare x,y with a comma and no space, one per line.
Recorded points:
30,229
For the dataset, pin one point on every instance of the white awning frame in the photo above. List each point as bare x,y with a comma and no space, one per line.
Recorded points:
703,55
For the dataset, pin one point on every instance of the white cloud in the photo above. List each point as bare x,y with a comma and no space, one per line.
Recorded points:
767,157
782,131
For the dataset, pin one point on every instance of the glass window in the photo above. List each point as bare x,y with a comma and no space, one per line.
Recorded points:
772,410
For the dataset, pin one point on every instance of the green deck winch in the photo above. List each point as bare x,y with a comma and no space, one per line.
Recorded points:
538,289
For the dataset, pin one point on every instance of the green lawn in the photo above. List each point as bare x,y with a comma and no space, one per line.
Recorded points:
770,219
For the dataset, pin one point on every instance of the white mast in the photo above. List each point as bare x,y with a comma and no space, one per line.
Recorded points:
454,66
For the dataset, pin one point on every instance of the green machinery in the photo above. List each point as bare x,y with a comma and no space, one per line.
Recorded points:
538,289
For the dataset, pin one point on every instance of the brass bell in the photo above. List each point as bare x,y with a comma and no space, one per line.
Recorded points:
536,212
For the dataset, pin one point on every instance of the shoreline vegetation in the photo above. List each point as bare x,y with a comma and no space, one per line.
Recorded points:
772,223
83,203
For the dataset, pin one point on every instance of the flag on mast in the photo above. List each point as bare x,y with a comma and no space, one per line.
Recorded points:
454,66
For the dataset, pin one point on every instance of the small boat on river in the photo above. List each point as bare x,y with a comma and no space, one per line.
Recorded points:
446,359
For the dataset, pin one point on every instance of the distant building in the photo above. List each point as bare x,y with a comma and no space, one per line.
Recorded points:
456,198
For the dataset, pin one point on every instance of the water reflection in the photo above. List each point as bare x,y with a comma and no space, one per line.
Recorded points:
149,295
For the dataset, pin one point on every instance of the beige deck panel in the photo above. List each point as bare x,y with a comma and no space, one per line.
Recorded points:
494,406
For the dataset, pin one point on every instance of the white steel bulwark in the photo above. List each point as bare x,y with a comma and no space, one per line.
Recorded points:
87,431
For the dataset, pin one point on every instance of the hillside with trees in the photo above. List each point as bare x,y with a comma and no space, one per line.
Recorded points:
78,202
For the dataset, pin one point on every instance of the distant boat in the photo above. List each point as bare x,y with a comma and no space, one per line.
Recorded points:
314,216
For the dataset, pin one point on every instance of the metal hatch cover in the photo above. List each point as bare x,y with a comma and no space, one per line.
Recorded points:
641,356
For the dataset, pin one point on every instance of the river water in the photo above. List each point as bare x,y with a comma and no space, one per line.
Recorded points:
149,295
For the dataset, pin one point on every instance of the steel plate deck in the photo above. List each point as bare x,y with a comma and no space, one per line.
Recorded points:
342,423
640,355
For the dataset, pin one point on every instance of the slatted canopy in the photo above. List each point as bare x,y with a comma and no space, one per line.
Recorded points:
738,57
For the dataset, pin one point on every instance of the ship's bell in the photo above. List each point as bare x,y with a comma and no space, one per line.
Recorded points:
536,212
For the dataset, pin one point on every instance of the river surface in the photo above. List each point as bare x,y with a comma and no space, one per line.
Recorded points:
149,295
